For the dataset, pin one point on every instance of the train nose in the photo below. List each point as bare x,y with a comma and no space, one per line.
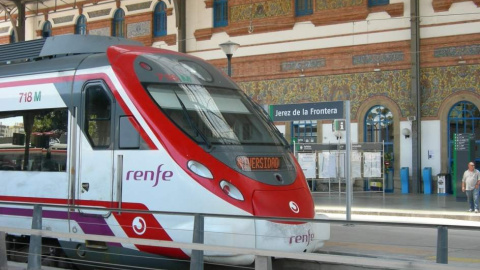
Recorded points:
295,203
288,236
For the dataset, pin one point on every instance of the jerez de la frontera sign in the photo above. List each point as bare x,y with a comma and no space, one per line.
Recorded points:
307,111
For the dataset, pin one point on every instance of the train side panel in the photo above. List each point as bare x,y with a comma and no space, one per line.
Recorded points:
34,164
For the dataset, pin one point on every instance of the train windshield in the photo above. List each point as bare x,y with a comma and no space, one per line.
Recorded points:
214,115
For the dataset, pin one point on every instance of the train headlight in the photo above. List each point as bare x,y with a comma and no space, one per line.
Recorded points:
232,191
199,169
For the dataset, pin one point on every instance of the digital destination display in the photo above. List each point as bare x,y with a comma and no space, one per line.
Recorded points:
259,163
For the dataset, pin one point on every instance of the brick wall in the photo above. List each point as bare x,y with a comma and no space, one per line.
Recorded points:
64,30
147,37
336,61
340,60
5,40
100,24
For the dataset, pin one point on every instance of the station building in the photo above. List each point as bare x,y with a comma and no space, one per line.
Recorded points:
410,68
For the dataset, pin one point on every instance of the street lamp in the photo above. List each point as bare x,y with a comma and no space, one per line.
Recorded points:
229,48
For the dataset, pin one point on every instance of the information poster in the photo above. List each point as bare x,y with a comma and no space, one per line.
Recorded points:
340,166
324,165
307,162
331,164
356,164
372,166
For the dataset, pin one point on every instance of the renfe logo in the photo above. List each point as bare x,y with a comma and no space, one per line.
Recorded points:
139,225
150,175
294,207
304,238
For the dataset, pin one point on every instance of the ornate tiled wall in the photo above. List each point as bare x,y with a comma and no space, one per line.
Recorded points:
439,83
335,4
436,83
260,10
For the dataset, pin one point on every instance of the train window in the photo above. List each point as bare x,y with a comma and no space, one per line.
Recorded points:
97,116
197,70
211,115
34,140
129,137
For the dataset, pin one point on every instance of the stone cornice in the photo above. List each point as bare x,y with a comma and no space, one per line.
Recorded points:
203,34
394,10
169,39
444,5
208,3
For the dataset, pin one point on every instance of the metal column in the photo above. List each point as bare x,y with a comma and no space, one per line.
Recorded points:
415,93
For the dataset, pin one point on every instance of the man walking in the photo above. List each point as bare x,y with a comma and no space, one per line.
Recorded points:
470,184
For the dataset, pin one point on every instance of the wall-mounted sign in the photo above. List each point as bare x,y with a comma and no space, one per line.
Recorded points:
338,125
307,111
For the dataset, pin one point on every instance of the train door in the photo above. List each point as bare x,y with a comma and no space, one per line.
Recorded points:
95,151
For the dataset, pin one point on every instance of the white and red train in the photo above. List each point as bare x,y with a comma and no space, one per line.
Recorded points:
141,128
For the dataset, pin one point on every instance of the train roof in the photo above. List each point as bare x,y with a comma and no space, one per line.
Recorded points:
63,52
59,46
71,52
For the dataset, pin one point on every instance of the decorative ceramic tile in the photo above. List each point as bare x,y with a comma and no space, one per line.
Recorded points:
335,4
63,19
439,83
306,64
457,51
260,10
139,29
378,58
99,13
139,6
105,31
436,85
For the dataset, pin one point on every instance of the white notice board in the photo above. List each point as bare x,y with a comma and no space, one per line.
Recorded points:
372,165
331,162
325,162
307,162
356,164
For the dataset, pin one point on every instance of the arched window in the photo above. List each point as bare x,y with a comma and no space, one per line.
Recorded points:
118,24
464,117
12,37
81,27
160,20
220,13
303,7
379,127
47,29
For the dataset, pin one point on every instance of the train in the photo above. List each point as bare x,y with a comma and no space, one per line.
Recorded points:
105,122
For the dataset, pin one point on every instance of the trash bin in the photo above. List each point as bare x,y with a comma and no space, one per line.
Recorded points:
427,180
404,178
389,180
441,184
444,184
365,185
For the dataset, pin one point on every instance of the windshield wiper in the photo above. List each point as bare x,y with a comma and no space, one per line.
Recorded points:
189,120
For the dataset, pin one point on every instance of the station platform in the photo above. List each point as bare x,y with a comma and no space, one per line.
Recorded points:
434,206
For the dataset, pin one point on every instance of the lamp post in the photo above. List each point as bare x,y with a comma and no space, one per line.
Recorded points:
229,48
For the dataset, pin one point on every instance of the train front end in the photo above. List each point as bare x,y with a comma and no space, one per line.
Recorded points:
227,147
